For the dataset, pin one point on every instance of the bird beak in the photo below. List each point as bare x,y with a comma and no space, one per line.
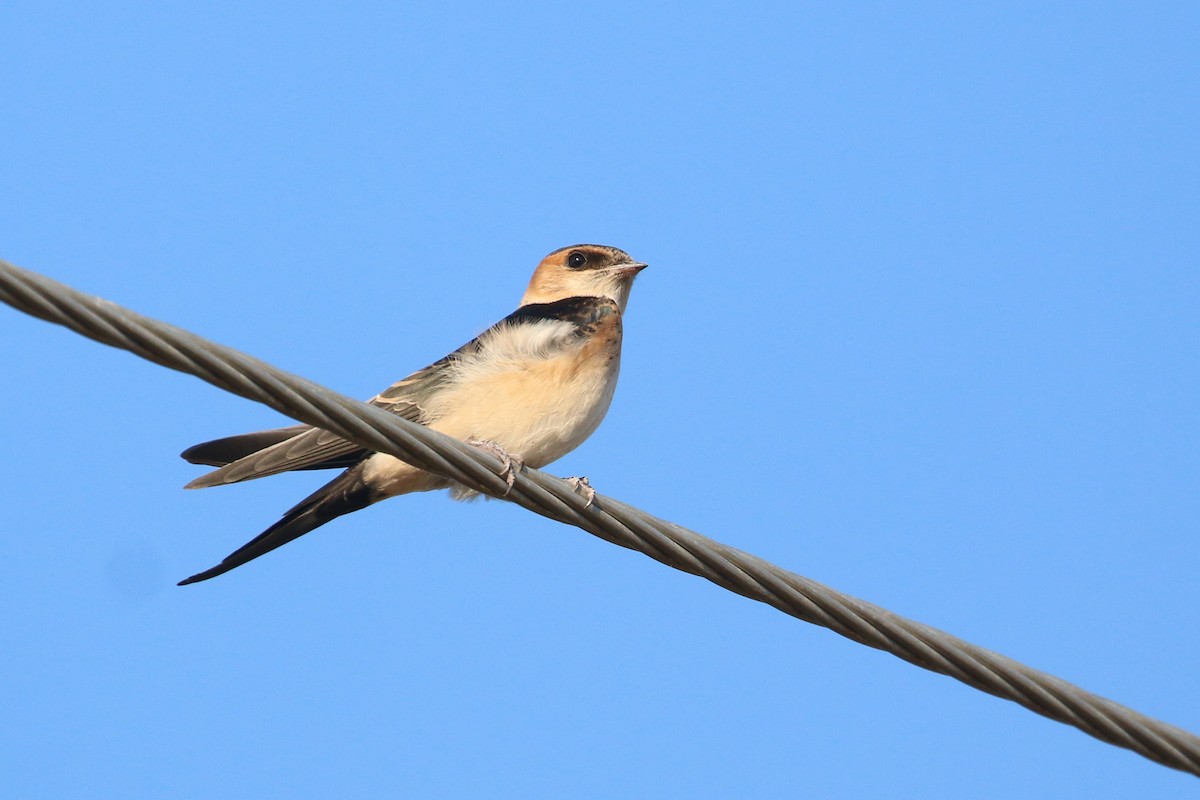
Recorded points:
629,270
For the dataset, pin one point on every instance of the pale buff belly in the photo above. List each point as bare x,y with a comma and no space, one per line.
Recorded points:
540,409
540,413
512,392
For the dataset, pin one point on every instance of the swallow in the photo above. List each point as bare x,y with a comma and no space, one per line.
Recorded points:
529,389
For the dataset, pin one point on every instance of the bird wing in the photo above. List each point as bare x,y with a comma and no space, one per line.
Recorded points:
256,455
220,452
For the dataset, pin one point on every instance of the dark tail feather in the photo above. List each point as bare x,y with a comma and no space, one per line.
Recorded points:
345,493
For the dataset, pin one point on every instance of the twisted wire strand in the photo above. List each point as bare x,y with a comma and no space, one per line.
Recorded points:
607,518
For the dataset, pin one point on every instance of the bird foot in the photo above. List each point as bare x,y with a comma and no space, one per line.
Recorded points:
584,487
512,463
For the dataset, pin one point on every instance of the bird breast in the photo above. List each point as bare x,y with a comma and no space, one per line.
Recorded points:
537,389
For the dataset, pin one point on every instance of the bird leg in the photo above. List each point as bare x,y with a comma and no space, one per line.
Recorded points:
512,463
584,487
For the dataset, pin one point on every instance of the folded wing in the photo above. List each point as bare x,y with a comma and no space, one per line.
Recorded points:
256,455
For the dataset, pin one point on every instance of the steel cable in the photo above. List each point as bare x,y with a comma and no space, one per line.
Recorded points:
605,517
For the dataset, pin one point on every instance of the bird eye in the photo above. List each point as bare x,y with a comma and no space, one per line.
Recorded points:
576,260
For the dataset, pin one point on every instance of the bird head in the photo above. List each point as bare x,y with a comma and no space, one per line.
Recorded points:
583,270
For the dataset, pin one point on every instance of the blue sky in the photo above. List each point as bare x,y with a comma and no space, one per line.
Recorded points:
920,323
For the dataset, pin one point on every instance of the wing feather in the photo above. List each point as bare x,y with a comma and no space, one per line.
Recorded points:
257,455
307,447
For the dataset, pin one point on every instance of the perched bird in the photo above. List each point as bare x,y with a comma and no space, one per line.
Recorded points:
530,389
